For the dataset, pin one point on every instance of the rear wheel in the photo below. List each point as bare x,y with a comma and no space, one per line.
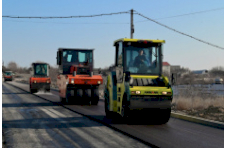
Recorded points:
95,99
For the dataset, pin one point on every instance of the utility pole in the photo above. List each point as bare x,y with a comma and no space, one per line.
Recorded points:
131,24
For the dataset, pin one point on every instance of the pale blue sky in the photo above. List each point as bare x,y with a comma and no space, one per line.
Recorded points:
28,40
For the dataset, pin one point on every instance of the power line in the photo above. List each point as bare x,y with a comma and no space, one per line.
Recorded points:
85,23
65,17
180,32
183,14
106,14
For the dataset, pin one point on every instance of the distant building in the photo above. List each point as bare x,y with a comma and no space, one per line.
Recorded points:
174,68
166,68
200,71
169,69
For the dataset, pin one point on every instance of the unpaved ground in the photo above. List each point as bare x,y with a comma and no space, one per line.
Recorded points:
205,106
210,113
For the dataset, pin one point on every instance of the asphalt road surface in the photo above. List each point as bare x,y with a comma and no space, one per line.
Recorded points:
31,122
176,133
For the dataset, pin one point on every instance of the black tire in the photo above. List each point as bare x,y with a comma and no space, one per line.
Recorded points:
108,113
76,99
95,97
32,91
125,110
63,100
68,97
165,115
79,93
87,96
47,89
87,93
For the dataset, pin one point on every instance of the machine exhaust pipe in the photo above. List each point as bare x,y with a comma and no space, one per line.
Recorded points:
91,73
74,73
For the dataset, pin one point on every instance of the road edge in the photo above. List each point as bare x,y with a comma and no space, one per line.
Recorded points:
198,120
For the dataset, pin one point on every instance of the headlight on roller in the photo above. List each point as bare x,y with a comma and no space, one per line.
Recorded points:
136,92
35,82
47,81
166,93
99,82
72,81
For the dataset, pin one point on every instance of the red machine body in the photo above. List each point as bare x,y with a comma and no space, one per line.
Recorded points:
76,80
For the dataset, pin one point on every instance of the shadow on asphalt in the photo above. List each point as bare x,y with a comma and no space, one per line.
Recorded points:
138,117
135,120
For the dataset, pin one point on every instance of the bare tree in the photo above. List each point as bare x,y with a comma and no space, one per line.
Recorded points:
217,71
12,66
4,68
23,70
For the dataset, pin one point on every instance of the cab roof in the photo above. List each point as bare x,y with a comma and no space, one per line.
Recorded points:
136,40
74,49
39,63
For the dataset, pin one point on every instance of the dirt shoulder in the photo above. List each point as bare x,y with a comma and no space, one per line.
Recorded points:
210,107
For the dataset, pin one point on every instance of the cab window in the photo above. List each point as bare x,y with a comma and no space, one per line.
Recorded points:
120,54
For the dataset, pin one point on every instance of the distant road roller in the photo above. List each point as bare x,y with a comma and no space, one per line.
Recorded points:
76,81
8,76
39,79
137,83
